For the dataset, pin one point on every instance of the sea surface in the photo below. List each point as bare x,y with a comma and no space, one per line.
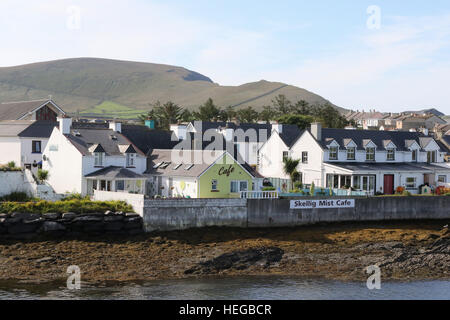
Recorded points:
253,288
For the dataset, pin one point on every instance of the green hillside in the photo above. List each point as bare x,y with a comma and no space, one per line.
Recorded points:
111,87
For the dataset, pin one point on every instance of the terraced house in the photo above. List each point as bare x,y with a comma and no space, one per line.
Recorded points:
366,160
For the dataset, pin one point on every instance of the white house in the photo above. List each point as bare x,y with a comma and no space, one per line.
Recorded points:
247,138
82,160
372,161
23,141
40,110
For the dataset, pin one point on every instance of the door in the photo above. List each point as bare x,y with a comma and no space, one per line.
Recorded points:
388,184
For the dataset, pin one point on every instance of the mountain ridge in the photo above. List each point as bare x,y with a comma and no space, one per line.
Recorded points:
82,84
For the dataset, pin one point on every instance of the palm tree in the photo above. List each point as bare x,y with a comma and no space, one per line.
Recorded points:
290,168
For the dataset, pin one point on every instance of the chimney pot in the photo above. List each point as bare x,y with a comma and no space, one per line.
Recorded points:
316,130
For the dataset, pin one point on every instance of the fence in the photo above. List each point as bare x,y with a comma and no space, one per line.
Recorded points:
259,194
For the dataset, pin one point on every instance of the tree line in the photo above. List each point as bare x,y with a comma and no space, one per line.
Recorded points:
282,110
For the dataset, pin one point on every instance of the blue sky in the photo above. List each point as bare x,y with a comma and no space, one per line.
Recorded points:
322,46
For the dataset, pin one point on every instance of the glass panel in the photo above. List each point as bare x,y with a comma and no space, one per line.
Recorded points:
243,186
365,183
371,183
234,186
356,182
120,185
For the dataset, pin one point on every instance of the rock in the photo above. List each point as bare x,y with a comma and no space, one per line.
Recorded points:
46,259
87,219
131,215
239,260
69,215
133,225
113,218
92,214
94,227
23,228
2,220
108,213
134,231
114,226
25,216
3,215
51,216
32,221
11,221
52,226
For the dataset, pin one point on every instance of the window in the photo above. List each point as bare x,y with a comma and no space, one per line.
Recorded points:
410,183
305,157
350,153
131,159
99,159
285,155
36,146
213,185
442,179
431,156
370,154
390,154
414,155
120,185
333,153
238,186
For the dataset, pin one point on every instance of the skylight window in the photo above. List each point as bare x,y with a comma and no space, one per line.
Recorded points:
188,167
164,165
156,166
177,166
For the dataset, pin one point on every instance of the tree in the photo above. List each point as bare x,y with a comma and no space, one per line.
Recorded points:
42,175
230,113
268,114
290,168
301,121
330,117
247,115
302,107
187,116
282,104
163,114
208,111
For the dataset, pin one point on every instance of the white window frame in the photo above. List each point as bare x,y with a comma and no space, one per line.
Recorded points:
305,157
238,184
353,149
444,180
99,159
214,184
414,155
330,152
370,154
411,185
390,152
131,160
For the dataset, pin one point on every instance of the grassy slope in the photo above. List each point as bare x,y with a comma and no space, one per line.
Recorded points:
86,84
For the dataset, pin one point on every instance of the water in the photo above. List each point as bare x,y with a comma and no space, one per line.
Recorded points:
253,288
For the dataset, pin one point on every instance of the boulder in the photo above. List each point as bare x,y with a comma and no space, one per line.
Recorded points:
23,228
114,226
88,219
3,215
94,227
52,226
69,215
51,216
11,221
113,218
134,231
26,216
131,215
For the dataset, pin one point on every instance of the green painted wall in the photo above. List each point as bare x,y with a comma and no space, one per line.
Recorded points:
218,172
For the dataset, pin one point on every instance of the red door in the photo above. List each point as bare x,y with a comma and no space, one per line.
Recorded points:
389,184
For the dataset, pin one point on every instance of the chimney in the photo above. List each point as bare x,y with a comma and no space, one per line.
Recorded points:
316,130
116,126
277,127
150,123
65,124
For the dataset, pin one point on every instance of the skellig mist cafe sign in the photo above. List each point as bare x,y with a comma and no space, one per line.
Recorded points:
323,204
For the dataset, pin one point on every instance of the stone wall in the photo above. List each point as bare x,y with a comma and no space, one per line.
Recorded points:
194,213
183,214
29,225
14,181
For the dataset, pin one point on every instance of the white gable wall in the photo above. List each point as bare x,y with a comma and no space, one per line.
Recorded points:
313,170
271,157
11,150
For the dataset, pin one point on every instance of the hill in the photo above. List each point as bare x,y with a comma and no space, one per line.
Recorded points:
124,88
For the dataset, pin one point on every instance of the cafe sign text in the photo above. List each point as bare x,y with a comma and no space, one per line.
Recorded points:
323,204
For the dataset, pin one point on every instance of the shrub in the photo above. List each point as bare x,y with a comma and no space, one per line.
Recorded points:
16,197
77,206
399,190
312,189
75,196
11,165
42,175
298,185
8,167
269,189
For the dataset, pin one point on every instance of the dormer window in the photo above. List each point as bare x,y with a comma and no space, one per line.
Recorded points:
390,154
414,155
351,153
370,154
333,153
131,160
99,159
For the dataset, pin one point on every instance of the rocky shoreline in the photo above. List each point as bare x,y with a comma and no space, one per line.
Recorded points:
403,250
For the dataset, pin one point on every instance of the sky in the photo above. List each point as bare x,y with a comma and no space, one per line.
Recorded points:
381,54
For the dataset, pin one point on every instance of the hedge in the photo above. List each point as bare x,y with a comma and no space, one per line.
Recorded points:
76,205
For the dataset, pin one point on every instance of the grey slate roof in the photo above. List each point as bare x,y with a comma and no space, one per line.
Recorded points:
27,128
106,139
16,110
146,139
114,173
400,138
417,167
